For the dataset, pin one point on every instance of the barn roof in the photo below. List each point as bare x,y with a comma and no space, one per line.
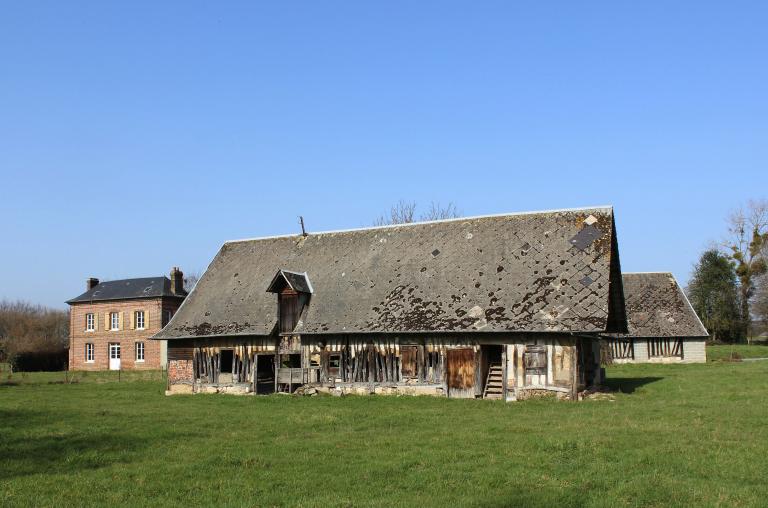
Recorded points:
537,271
657,307
125,289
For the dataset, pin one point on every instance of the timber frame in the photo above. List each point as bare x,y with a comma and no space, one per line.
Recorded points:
507,307
457,367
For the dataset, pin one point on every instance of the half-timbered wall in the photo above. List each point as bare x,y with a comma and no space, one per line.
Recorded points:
439,364
666,350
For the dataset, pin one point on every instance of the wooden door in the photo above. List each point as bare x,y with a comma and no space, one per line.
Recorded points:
461,373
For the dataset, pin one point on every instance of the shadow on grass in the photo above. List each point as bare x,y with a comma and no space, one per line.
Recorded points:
42,448
629,384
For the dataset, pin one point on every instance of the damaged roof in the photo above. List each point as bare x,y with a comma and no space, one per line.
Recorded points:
125,289
539,271
656,306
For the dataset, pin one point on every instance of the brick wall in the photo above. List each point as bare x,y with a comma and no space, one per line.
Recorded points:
180,371
127,336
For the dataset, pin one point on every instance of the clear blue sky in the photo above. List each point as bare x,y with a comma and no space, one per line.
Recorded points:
139,135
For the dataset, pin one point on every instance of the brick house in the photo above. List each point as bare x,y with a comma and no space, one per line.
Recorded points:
110,325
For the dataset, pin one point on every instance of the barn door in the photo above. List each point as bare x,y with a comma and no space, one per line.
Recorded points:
461,373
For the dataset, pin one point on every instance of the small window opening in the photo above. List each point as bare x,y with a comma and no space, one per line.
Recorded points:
225,358
334,364
535,360
291,361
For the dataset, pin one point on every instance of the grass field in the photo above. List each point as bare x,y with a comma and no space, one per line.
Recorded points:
678,435
721,352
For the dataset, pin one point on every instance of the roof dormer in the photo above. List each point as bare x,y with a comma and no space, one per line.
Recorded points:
293,291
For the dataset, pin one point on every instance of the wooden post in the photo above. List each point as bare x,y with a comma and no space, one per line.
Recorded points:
574,373
504,372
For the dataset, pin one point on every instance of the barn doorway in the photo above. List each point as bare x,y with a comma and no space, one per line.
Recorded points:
265,374
461,373
492,370
226,360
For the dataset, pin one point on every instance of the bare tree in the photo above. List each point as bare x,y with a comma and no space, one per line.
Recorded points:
190,281
32,329
400,213
748,238
404,212
437,212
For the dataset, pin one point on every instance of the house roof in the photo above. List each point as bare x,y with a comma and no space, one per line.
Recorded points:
538,271
128,289
657,307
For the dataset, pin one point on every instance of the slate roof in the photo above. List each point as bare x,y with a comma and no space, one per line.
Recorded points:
128,289
657,307
539,271
296,281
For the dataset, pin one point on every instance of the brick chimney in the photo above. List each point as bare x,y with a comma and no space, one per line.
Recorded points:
177,281
91,283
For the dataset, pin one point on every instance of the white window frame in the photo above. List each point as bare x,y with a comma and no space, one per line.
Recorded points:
167,315
114,321
90,353
139,317
90,322
139,347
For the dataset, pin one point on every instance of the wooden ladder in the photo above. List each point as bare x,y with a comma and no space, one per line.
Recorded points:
494,385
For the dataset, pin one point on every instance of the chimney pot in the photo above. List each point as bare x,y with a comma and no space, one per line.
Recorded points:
91,283
177,281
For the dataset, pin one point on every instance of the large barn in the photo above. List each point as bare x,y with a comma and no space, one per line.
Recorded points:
663,327
506,306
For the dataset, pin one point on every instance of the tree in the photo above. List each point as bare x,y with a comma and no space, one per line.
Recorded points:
33,330
748,232
760,300
190,281
714,295
404,212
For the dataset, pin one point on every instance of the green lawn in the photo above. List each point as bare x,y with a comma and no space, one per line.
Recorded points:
681,435
721,352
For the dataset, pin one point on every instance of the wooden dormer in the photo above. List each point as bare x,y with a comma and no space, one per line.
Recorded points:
293,291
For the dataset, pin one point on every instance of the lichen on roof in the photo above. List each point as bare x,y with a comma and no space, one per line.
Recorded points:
657,307
546,271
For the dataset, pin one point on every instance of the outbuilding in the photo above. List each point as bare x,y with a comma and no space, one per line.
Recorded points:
506,306
663,327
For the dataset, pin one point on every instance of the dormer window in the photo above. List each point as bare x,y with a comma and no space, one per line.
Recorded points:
293,291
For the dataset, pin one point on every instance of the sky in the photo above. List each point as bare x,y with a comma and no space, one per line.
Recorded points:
136,136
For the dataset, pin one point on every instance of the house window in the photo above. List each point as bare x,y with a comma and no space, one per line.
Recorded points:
139,319
114,321
665,347
289,311
167,315
535,360
90,324
139,351
89,356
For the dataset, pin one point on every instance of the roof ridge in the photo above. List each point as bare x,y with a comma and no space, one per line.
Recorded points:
422,223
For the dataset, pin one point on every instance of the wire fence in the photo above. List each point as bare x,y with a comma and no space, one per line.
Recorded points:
9,377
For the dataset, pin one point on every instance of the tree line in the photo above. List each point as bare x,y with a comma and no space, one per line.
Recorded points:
729,285
33,337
